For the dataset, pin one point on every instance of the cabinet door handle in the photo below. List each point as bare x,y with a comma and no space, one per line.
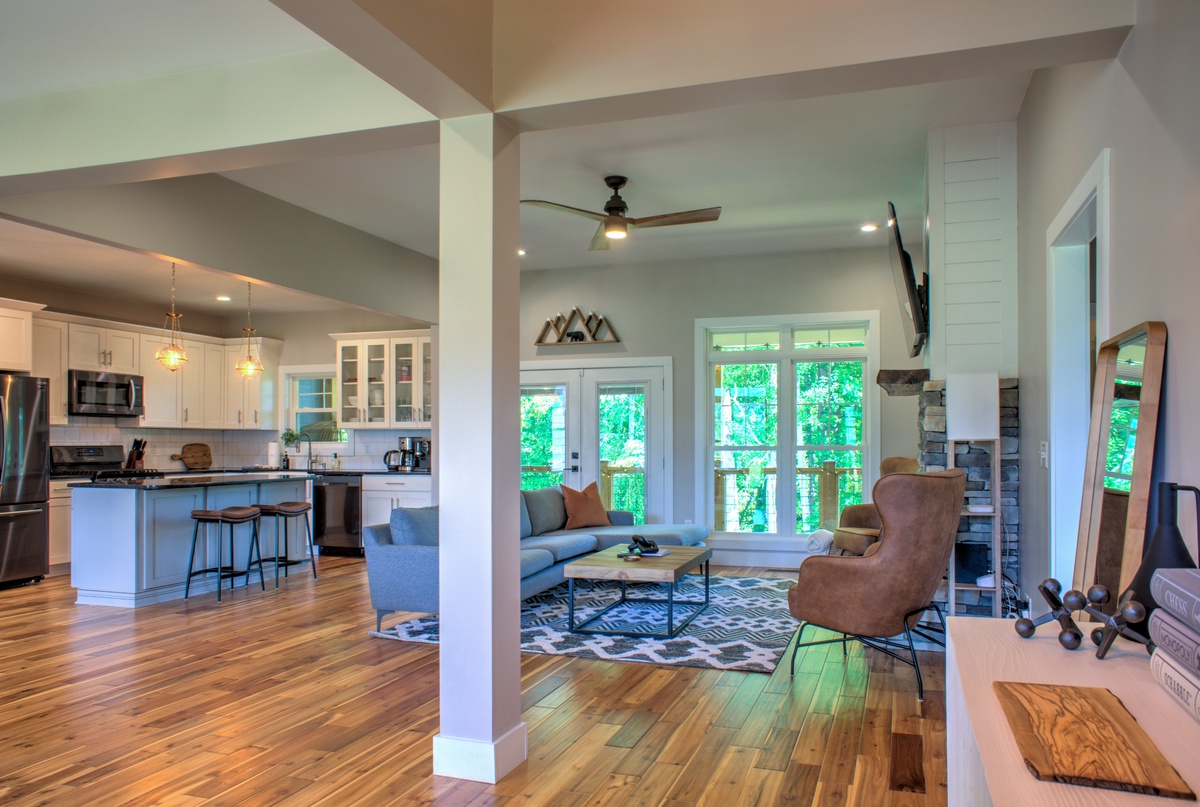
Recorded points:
110,361
185,414
256,416
101,361
239,416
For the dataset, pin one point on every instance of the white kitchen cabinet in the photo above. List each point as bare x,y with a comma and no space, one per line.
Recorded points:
106,350
50,361
162,389
412,382
250,403
364,375
203,386
60,522
16,340
383,493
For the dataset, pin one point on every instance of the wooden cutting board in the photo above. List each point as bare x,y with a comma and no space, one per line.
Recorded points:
1086,736
196,456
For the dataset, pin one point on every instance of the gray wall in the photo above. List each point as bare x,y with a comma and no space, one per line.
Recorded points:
1145,106
306,335
654,309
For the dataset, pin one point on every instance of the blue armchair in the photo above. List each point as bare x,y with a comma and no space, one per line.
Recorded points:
402,562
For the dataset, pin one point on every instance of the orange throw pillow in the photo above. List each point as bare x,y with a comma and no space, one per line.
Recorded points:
584,508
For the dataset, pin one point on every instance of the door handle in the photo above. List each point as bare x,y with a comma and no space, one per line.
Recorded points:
12,513
574,469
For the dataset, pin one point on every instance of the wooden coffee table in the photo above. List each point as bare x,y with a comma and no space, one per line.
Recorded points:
669,569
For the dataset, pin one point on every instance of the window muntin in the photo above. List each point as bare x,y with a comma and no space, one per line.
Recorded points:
743,340
312,403
810,337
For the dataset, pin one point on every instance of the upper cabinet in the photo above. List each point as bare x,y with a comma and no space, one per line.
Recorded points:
16,335
104,350
50,361
385,381
251,403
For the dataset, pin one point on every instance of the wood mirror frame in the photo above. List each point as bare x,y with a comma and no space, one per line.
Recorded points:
1112,524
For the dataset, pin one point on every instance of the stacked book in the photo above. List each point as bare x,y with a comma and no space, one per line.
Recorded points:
1175,629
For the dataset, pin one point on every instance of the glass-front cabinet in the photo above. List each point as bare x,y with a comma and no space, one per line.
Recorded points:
363,384
385,381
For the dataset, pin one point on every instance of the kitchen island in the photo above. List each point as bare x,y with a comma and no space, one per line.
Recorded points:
130,537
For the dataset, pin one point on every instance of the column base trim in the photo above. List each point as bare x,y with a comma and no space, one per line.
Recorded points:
479,761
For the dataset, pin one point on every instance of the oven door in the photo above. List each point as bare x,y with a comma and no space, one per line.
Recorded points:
113,394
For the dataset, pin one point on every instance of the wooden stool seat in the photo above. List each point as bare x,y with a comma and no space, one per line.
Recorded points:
285,512
231,516
285,509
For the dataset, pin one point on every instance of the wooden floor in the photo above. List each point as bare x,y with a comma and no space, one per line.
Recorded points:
283,699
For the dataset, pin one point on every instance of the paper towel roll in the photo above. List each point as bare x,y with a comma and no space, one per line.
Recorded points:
273,455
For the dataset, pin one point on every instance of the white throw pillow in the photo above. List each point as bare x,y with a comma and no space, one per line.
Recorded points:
819,541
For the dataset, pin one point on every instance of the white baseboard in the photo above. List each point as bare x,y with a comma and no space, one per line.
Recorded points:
477,760
771,559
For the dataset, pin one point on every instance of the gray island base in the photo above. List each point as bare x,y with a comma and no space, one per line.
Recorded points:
130,539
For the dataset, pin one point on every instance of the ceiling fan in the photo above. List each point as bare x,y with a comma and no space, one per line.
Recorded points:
614,224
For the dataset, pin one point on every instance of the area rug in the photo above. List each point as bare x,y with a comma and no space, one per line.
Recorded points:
745,627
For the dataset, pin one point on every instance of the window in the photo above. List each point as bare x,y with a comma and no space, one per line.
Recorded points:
797,392
312,406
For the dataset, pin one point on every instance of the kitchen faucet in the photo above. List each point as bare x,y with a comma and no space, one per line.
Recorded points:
307,437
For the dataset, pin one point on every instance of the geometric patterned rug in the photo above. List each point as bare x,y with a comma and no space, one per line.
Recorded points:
746,625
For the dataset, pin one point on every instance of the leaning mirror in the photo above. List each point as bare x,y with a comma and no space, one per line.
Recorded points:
1116,485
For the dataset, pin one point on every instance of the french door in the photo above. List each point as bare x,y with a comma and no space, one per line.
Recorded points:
599,424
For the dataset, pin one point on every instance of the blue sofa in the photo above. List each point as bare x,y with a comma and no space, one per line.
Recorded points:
402,556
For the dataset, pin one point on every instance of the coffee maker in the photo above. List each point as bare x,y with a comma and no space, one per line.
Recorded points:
414,454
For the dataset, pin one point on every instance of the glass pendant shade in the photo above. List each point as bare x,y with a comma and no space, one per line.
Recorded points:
248,366
171,354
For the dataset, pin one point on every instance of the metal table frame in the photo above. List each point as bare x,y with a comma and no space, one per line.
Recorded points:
696,607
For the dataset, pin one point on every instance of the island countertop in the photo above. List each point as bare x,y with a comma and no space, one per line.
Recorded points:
193,481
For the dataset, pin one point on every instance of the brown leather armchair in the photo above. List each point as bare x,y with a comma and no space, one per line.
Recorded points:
858,524
885,592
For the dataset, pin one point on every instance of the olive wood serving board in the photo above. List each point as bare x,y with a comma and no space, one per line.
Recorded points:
1085,736
196,456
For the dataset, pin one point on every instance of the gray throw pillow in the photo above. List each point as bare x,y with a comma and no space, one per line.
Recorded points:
546,509
415,526
526,524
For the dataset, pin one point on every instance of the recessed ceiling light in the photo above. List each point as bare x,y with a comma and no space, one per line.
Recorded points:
868,228
520,252
222,298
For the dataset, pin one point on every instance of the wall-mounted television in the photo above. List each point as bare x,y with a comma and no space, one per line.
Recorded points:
914,298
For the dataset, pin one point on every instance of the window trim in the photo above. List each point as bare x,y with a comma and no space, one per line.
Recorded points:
287,375
703,505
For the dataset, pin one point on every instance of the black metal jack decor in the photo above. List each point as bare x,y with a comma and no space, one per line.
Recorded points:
1129,611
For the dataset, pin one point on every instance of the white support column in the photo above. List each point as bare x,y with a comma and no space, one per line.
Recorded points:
482,736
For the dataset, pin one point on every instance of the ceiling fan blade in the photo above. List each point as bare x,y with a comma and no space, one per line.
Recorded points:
686,217
565,209
599,240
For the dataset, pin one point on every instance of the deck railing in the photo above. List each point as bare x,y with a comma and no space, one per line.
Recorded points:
828,500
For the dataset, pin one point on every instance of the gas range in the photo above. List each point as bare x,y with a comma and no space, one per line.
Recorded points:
94,463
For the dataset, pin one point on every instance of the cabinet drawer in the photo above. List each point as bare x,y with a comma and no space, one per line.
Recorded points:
397,484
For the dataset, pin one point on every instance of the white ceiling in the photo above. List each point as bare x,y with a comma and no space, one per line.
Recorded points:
792,176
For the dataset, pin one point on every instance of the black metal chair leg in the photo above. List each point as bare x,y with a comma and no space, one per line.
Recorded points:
286,548
796,646
255,549
312,549
187,585
916,664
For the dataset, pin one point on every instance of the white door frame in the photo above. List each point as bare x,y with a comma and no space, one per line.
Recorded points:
1084,216
661,443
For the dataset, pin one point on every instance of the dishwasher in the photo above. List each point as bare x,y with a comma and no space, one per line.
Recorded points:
337,514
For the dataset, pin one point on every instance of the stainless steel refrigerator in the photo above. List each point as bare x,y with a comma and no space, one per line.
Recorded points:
24,478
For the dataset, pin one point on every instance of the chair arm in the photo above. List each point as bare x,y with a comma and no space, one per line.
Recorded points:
863,516
620,518
377,535
402,578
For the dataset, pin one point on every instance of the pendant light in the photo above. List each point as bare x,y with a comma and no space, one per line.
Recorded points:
247,365
171,354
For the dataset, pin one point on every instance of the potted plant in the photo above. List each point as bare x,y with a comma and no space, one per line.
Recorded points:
289,437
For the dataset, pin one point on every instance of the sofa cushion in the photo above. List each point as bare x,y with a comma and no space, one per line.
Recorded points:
584,508
666,534
546,509
415,526
534,560
562,545
526,527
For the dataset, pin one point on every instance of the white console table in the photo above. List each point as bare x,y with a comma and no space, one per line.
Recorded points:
983,764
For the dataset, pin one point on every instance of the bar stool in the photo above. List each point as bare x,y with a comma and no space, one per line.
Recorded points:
231,516
285,511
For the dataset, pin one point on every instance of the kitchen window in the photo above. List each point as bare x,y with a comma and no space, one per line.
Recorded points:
312,406
789,420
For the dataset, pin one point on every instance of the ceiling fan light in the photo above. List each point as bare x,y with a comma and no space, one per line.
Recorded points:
615,228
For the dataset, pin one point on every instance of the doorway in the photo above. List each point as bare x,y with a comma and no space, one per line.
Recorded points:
1077,311
604,423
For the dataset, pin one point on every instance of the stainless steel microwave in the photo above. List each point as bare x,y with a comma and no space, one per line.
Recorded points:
112,394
